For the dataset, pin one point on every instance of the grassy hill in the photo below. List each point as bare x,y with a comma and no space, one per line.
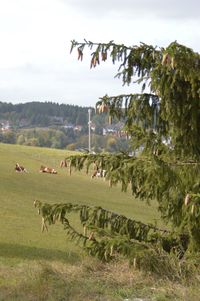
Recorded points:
45,266
18,216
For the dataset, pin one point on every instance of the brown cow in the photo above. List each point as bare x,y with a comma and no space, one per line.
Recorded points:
47,170
19,168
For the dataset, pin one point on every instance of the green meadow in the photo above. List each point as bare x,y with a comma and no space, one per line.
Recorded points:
46,266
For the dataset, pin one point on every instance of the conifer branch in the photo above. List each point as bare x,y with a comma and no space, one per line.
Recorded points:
109,230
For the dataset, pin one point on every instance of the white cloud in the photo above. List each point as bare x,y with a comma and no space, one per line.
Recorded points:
137,8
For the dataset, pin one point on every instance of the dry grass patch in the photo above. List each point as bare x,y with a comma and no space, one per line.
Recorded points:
90,280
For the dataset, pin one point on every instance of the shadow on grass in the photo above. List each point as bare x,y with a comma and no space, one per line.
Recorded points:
33,253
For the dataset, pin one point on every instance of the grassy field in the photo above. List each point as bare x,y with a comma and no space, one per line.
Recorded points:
46,266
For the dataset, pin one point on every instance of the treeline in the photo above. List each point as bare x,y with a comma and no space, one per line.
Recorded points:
63,139
43,114
45,125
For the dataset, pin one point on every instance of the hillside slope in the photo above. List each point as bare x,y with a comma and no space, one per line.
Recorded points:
45,266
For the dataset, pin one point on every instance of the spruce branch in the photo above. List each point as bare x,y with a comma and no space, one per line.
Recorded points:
109,230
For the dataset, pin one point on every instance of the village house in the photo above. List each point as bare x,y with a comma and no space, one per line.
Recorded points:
115,130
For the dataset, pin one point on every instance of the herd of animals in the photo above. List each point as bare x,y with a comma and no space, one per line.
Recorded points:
20,168
98,173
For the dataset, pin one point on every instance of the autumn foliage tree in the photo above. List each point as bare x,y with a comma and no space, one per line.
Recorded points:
163,126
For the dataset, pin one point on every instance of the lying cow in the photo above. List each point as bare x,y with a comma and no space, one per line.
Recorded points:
19,168
48,170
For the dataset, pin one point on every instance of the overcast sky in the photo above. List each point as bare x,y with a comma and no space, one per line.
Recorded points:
35,35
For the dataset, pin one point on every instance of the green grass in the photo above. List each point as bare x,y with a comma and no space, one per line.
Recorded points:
46,266
19,218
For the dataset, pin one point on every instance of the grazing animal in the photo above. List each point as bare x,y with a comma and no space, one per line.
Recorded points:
63,163
66,163
19,168
99,173
47,170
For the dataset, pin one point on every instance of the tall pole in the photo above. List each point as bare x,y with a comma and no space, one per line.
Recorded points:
89,130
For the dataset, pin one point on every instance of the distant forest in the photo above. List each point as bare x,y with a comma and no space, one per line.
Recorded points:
54,125
43,114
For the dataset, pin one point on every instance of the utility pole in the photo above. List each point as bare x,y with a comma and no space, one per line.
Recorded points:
89,129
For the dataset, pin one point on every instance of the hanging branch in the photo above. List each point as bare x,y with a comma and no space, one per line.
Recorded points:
173,77
133,109
145,177
135,60
109,230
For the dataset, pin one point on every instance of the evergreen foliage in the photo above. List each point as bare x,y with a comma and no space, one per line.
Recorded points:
106,233
172,75
163,123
